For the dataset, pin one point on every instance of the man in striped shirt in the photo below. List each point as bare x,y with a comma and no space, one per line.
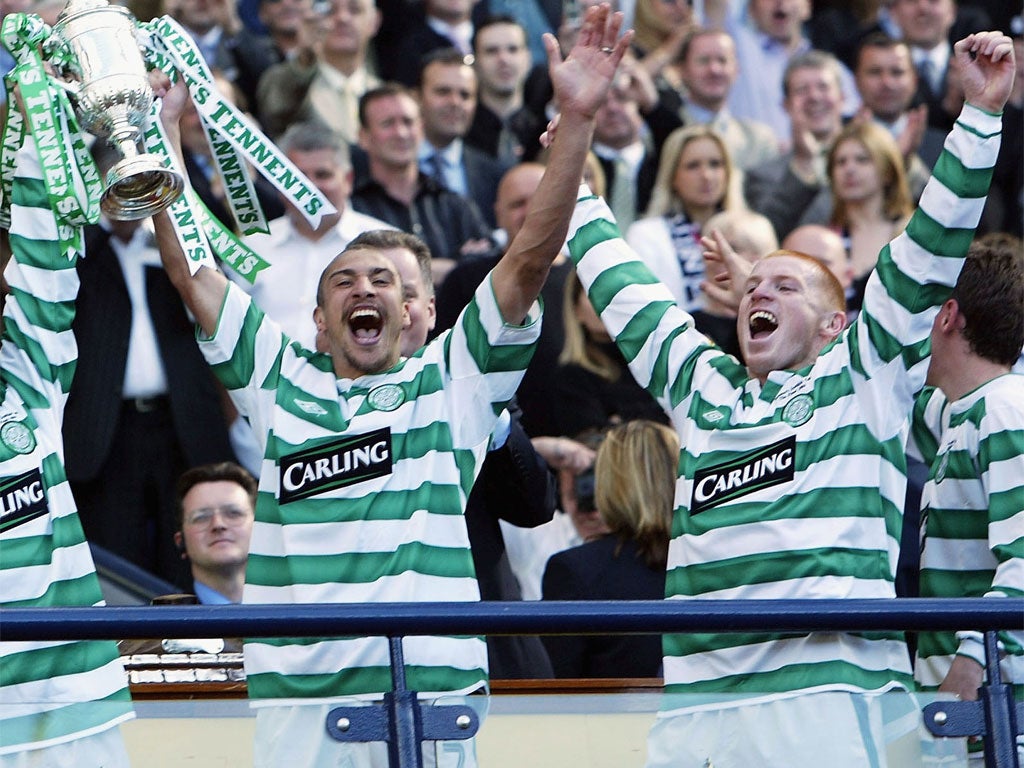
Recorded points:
60,701
792,470
969,428
368,456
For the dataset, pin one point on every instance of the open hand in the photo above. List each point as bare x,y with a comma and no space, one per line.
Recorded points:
581,81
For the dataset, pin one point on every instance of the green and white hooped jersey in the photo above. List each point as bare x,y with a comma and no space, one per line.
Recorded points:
972,515
50,692
363,488
793,489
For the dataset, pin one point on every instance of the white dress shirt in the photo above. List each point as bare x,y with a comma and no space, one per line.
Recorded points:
143,370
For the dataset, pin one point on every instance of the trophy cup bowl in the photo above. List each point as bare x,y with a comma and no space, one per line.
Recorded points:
106,75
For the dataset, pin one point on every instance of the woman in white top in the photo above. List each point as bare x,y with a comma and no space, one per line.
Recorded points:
696,179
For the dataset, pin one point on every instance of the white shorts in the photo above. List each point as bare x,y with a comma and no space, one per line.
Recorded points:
297,735
101,750
834,729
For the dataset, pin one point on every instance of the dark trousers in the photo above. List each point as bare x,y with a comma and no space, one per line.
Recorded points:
129,508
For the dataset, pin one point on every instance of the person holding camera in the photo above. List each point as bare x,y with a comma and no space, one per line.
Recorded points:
633,486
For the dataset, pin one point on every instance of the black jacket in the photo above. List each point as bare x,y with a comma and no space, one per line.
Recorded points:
102,325
445,220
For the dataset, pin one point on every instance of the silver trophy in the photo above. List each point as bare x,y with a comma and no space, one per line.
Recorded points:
99,61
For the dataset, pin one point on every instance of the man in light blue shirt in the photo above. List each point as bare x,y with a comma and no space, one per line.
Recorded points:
217,505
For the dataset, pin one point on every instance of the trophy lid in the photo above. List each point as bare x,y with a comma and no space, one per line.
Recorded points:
75,7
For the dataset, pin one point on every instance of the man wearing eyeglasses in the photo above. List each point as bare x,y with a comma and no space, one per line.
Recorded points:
216,508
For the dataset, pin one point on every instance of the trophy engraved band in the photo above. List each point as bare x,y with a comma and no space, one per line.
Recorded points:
95,50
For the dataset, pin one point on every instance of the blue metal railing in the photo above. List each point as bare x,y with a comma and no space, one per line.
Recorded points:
995,715
512,618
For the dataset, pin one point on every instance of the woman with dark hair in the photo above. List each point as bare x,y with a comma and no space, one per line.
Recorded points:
593,388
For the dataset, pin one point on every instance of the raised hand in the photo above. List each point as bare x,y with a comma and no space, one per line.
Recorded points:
909,140
986,64
173,98
581,81
727,270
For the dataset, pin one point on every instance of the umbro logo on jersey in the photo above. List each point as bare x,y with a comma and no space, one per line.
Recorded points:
745,474
22,498
314,409
336,464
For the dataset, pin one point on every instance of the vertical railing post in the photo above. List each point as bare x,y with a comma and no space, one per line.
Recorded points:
995,715
405,726
1001,727
402,720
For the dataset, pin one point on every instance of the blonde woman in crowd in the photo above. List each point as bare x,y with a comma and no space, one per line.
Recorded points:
634,483
871,200
696,179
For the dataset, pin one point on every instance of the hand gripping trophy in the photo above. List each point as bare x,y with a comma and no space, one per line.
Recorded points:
95,52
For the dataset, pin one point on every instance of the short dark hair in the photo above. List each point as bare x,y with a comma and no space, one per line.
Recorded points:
494,20
990,295
212,473
382,91
881,40
379,240
698,32
447,57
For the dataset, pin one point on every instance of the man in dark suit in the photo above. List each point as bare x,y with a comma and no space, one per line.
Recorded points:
143,406
931,27
228,47
448,99
504,125
395,190
411,30
629,162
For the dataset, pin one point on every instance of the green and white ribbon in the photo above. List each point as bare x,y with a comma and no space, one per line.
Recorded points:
199,232
225,121
184,218
73,181
71,178
238,186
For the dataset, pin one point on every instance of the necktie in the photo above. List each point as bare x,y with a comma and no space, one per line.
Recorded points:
622,196
349,112
435,168
927,70
508,145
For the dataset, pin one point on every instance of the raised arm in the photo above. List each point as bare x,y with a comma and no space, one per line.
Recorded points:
986,62
202,293
916,272
580,83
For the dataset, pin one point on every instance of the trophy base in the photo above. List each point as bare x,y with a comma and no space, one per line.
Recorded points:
139,187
